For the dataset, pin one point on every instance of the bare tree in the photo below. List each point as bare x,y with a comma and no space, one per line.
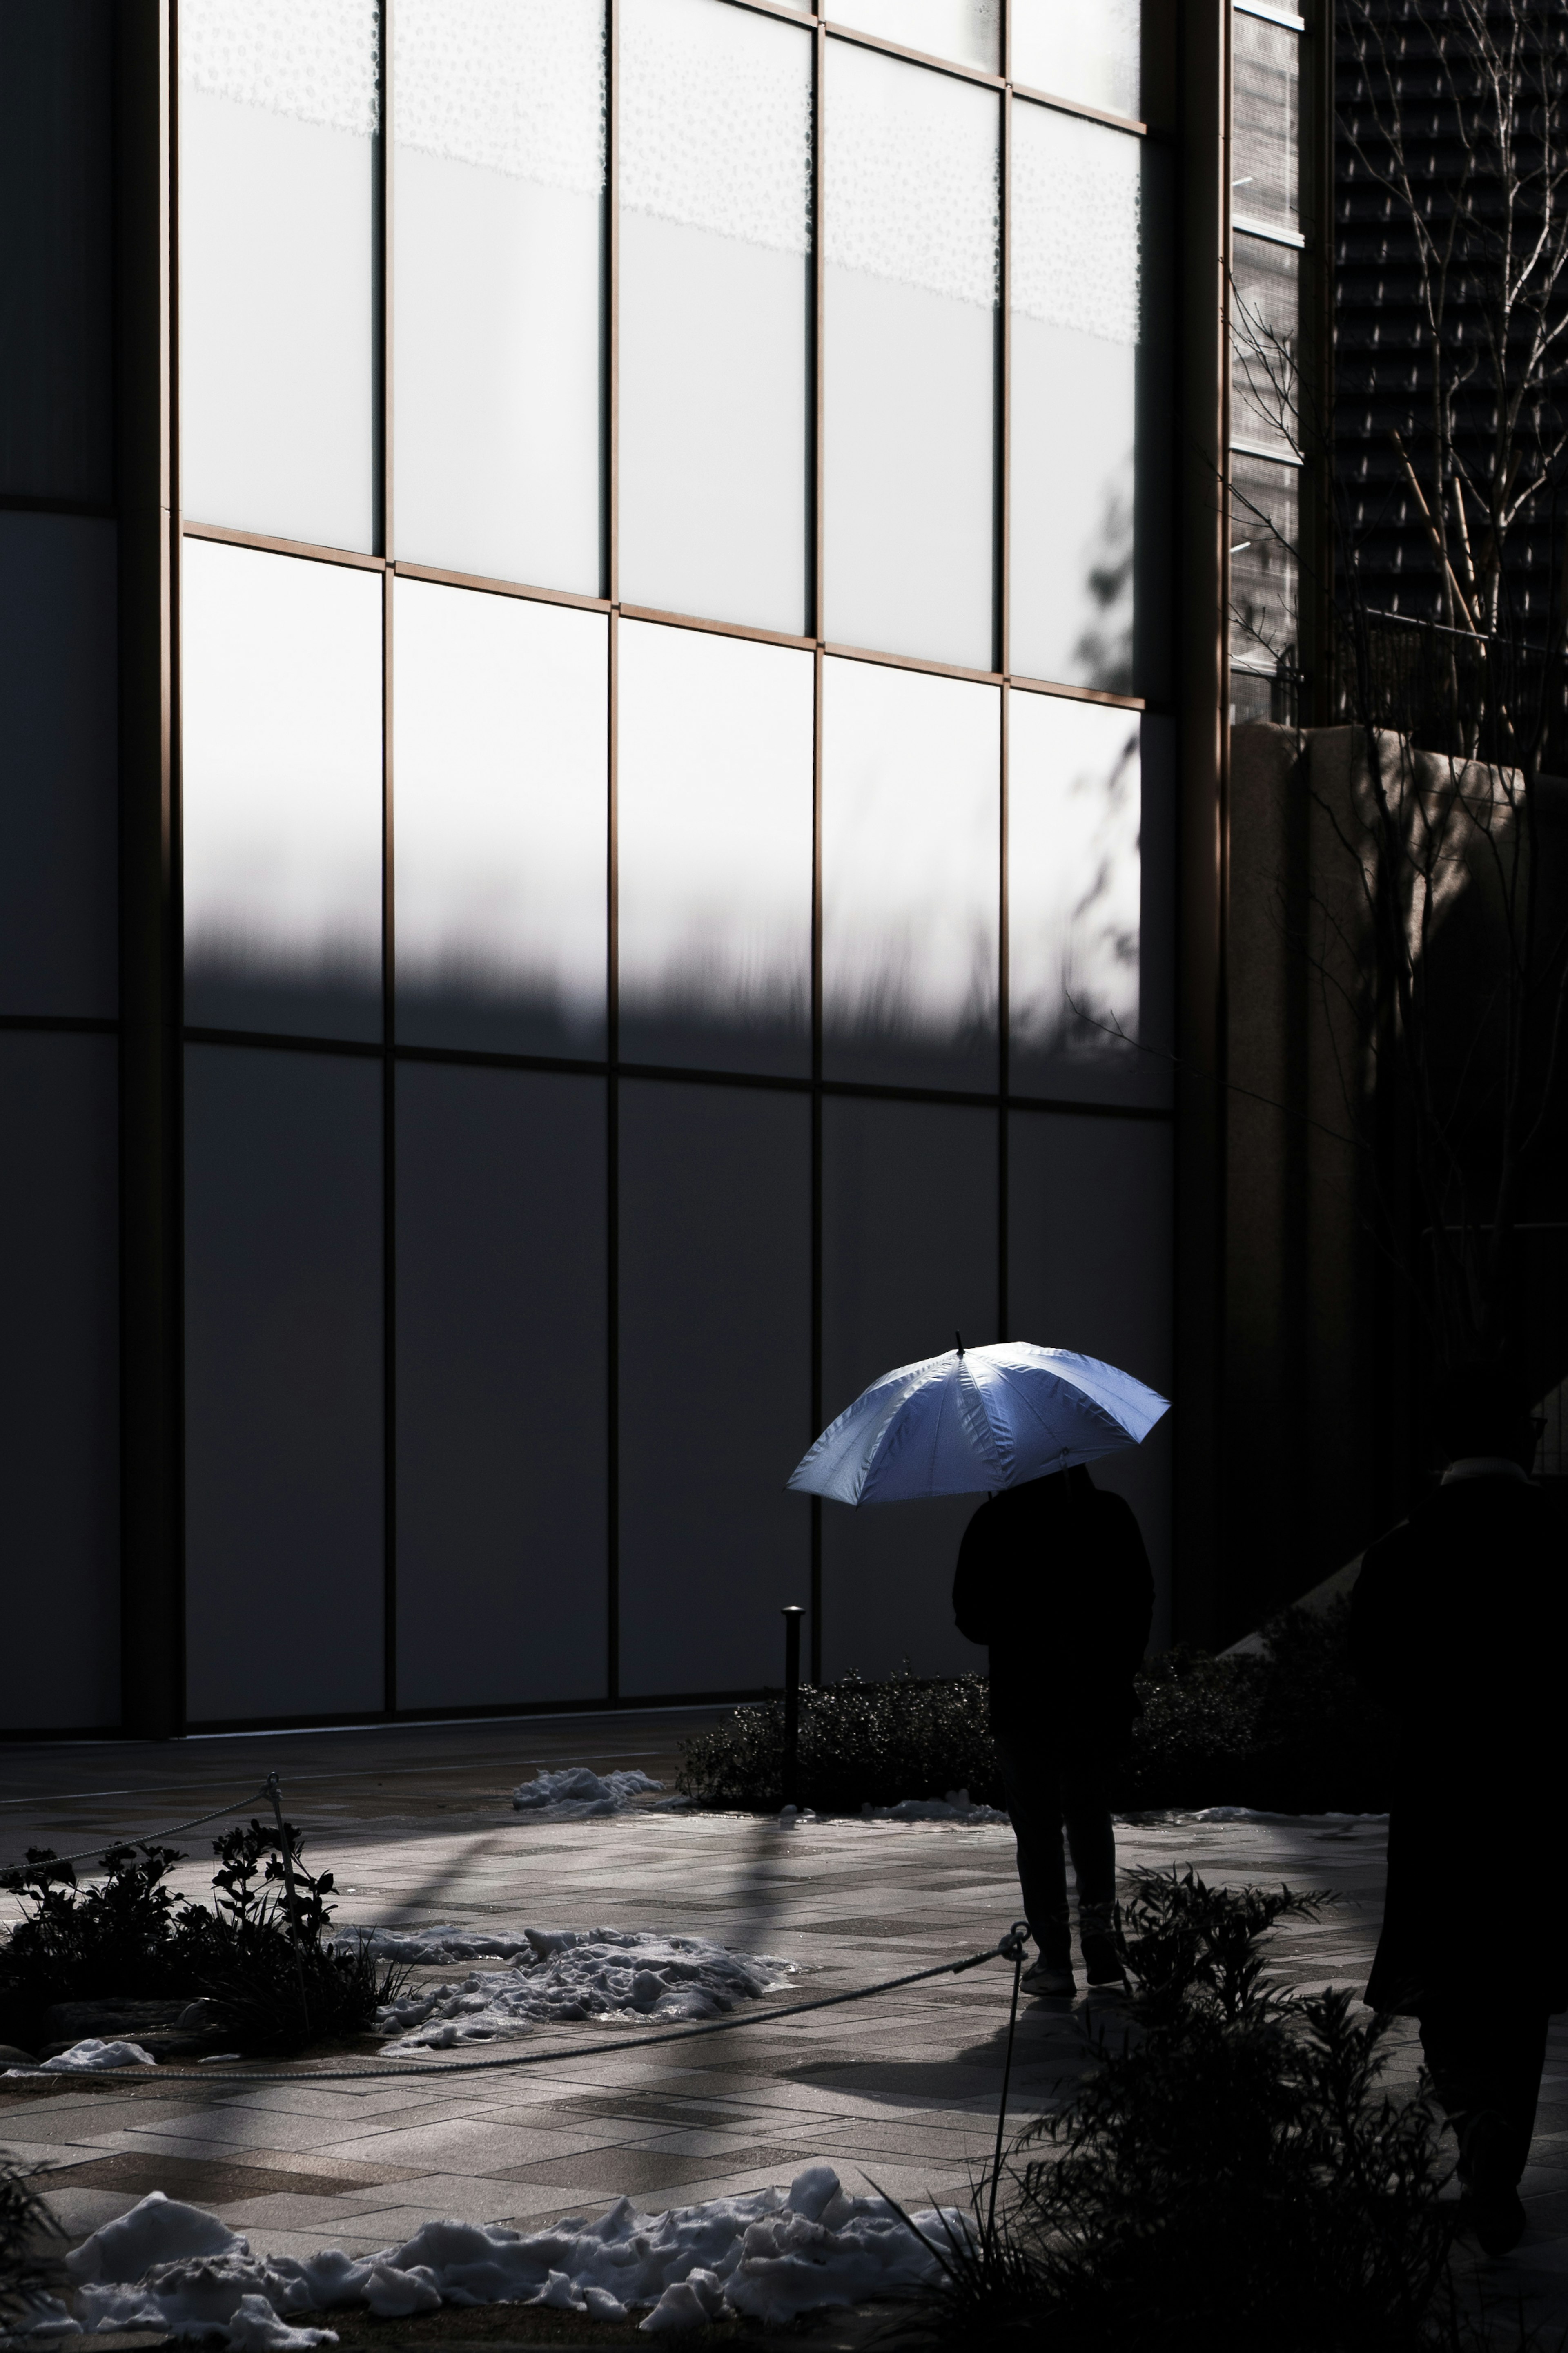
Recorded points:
1439,932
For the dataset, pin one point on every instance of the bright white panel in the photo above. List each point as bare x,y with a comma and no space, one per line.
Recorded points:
281,793
714,857
278,113
502,815
1091,53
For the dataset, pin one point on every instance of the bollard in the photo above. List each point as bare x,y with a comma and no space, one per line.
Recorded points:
792,1616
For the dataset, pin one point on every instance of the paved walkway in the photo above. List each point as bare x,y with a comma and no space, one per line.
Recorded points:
416,1822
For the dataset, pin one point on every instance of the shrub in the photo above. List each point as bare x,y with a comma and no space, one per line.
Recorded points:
278,1984
1230,2174
1286,1731
31,2243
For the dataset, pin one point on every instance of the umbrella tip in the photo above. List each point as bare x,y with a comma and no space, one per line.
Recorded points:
959,1337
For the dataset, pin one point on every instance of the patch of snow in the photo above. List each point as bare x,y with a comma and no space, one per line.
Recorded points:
672,1805
575,1973
87,2057
1308,1821
575,1793
955,1808
447,1941
768,2254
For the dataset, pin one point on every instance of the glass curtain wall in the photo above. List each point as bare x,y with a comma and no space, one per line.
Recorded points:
677,794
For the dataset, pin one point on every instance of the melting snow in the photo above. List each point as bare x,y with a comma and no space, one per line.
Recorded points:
955,1808
565,1973
1256,1814
87,2058
769,2254
574,1794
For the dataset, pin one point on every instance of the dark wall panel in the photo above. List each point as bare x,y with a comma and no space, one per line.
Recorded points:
502,1248
283,1338
59,1664
715,1381
58,820
909,1255
56,289
1089,1267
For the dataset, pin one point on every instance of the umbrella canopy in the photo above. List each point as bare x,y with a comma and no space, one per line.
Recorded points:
973,1420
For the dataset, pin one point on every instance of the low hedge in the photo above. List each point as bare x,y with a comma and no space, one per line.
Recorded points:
1287,1731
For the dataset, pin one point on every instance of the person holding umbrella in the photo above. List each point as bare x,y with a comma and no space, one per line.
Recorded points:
1052,1575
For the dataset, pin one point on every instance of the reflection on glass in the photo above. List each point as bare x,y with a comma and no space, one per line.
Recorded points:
499,140
500,791
279,112
910,876
281,793
715,191
1077,293
968,30
909,334
1266,297
1266,138
1090,53
1265,537
284,1480
1075,889
715,1273
714,850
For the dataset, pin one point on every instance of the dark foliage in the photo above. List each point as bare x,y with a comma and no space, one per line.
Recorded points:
278,1981
1230,2174
31,2243
1287,1731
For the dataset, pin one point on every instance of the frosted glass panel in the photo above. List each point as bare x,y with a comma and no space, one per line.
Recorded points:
715,1273
1089,1266
59,1383
1266,317
279,114
911,876
503,816
715,190
1264,571
1087,52
1266,140
283,1381
1077,304
713,835
1086,853
909,1230
281,793
909,358
497,192
501,1457
968,30
60,778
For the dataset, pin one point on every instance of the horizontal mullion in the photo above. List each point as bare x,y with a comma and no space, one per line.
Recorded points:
1243,225
1261,449
1060,105
715,629
853,36
483,586
1080,694
268,543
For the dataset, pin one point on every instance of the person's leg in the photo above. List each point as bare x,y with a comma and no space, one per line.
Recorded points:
1092,1842
1485,2066
1033,1783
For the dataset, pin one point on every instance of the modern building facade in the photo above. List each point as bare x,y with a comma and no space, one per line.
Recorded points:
614,724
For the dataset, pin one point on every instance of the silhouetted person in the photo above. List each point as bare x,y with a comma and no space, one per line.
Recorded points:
1053,1575
1458,1622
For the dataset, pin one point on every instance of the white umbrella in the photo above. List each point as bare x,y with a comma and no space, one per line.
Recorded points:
973,1420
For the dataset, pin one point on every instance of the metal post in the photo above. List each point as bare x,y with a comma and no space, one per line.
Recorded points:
792,1616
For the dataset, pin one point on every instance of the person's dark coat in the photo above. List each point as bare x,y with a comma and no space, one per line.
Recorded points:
1054,1577
1457,1625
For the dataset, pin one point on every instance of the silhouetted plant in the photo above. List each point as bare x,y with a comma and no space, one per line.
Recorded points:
31,2244
1231,2172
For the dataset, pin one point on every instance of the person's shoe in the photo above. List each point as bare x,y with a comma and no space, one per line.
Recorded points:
1040,1978
1498,2218
1492,2207
1102,1961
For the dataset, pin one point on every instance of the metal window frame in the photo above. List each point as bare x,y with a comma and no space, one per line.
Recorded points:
154,1527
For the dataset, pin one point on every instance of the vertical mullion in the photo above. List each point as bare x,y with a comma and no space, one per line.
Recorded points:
383,265
388,1157
612,922
815,628
1004,652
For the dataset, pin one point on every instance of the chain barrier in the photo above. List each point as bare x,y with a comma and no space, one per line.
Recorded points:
150,1838
1009,1947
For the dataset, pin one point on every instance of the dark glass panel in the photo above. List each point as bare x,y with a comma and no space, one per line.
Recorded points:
715,1381
284,1571
501,1564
